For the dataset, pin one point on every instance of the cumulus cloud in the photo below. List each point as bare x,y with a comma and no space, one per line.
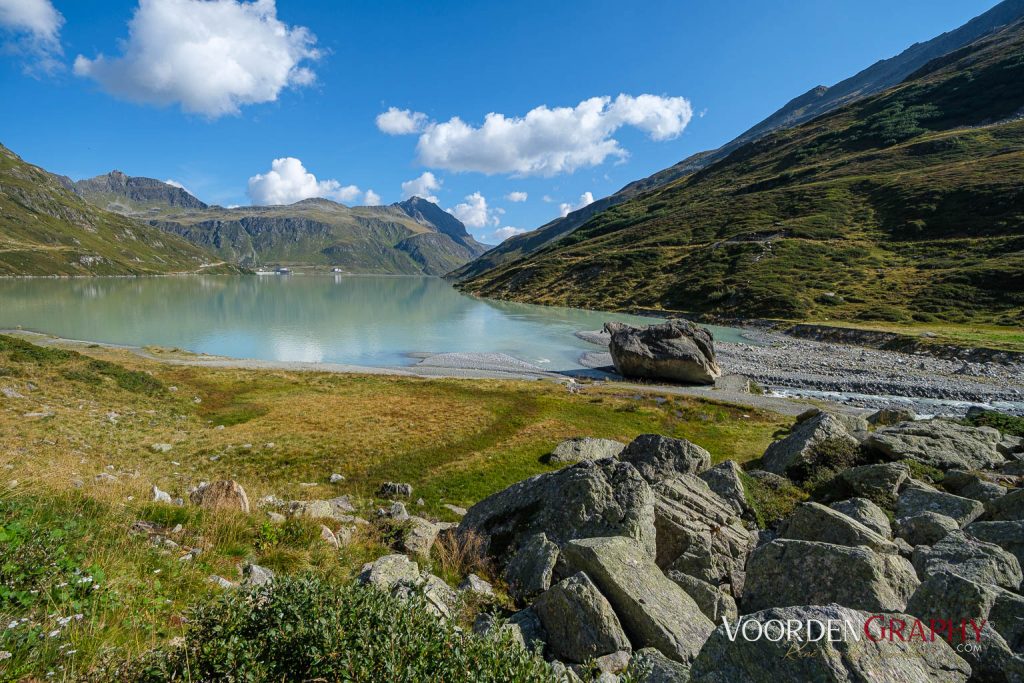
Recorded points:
34,29
211,56
502,234
371,198
517,196
475,213
548,141
397,121
586,199
288,182
422,187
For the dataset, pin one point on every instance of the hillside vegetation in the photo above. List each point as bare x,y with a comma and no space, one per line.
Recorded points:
46,229
905,206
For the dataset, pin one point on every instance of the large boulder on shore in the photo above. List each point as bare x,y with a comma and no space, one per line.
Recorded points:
606,498
786,572
579,622
1008,508
800,451
939,443
726,480
654,611
970,558
779,658
880,482
659,457
1007,534
918,497
584,448
530,569
815,522
867,513
677,350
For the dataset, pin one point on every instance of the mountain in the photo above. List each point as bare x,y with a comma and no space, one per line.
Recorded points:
815,102
412,237
905,205
46,229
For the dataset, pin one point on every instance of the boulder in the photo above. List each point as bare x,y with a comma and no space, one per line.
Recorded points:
531,567
973,486
475,585
712,600
607,498
815,522
659,457
799,451
524,627
653,610
392,489
970,558
785,573
867,513
419,537
579,621
440,598
329,537
726,481
389,571
880,483
584,448
650,666
887,417
310,509
925,528
917,498
1008,535
160,496
221,495
612,664
776,657
1009,507
697,532
255,575
939,443
676,350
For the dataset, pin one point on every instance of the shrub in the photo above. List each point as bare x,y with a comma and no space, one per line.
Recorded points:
826,459
1007,424
771,504
302,629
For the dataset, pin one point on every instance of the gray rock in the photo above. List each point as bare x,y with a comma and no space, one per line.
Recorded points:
613,663
337,478
310,509
798,450
529,571
856,577
676,350
160,496
1011,447
440,597
712,600
455,509
925,528
477,586
970,558
650,666
917,498
389,571
841,660
221,495
584,448
589,499
396,511
161,447
938,443
653,610
328,537
579,621
221,582
880,483
973,486
419,537
659,457
725,480
697,532
341,505
887,417
1009,507
392,489
255,575
523,626
815,522
867,513
1008,535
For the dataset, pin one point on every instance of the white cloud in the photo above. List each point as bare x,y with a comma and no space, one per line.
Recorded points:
475,213
288,182
371,198
586,199
550,141
175,183
35,27
422,187
397,121
502,234
211,56
517,196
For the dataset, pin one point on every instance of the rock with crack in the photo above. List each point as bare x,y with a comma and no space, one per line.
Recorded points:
255,575
531,568
855,577
659,457
886,417
650,666
400,576
867,513
677,351
584,448
970,558
221,495
606,498
799,450
653,610
939,443
1008,535
881,482
779,658
917,498
1008,508
925,528
419,537
474,585
815,522
726,480
972,485
712,600
579,622
392,489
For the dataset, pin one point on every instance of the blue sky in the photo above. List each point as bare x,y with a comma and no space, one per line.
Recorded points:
153,108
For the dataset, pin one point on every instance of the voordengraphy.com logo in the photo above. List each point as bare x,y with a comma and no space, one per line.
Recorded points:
875,628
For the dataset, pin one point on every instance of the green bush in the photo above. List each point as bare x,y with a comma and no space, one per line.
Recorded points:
826,459
771,504
1007,424
304,629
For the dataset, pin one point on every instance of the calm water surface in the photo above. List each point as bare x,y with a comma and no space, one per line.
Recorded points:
366,320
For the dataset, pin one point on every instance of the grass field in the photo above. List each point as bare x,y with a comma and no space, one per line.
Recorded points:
80,415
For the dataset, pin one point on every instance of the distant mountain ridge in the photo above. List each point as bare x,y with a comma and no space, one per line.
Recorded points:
411,237
815,102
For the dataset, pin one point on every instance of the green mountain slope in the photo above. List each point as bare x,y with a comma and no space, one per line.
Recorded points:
815,102
412,237
905,205
46,229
